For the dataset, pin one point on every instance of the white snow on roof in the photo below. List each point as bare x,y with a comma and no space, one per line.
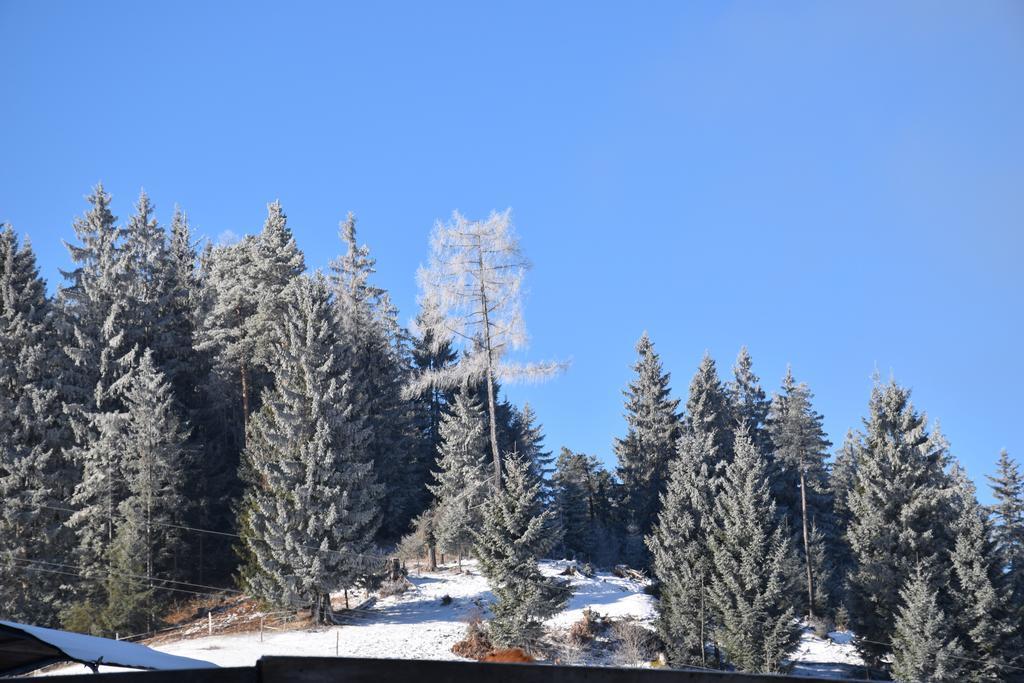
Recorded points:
93,650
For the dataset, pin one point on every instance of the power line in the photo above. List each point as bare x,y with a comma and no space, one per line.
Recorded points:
380,558
128,575
100,578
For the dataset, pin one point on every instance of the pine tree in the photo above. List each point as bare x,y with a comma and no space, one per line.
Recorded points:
922,648
508,544
902,513
751,580
461,478
801,483
983,623
245,302
376,356
652,432
34,475
312,506
679,551
228,332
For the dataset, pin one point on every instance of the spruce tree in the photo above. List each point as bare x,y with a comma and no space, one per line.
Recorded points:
708,411
461,478
582,500
841,480
1008,515
678,543
155,459
800,476
679,551
922,647
376,356
508,544
312,505
983,623
34,474
752,583
902,513
652,423
749,405
102,342
428,353
95,307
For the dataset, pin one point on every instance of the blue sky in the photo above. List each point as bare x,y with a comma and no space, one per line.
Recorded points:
839,186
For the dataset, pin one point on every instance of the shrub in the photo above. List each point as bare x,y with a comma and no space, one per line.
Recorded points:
391,587
633,643
476,645
584,630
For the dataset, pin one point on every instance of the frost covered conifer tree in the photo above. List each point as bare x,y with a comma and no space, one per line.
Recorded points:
583,491
801,481
923,649
95,310
680,556
312,506
245,287
473,283
983,625
33,433
155,459
101,332
841,480
429,405
752,583
708,411
1008,514
461,478
508,544
653,429
902,513
749,405
678,542
375,354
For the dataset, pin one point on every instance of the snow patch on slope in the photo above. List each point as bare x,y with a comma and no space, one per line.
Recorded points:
416,625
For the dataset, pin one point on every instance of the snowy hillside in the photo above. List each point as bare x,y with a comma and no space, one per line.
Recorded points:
417,624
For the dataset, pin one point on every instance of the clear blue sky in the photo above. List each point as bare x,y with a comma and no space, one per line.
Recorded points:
839,186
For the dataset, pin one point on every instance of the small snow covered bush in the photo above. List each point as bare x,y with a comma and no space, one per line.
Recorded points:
393,587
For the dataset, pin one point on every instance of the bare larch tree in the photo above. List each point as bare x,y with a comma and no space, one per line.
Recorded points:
472,286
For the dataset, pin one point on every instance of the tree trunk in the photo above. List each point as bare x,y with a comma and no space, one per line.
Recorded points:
703,638
807,547
433,558
494,431
243,370
491,409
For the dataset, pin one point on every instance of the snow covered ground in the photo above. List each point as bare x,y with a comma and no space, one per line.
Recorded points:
418,625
